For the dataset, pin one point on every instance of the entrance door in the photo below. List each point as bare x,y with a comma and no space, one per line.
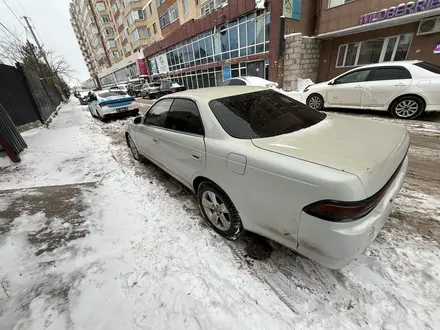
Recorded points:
255,69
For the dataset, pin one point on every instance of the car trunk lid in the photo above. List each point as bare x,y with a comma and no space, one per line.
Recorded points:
367,148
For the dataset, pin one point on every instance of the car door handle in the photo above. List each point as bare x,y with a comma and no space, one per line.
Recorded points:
155,140
196,157
359,87
400,85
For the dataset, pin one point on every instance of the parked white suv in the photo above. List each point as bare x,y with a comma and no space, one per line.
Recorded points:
405,88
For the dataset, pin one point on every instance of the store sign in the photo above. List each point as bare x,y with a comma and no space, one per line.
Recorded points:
162,63
400,10
292,9
142,68
437,49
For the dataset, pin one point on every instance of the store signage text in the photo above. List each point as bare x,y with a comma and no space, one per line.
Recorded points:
400,10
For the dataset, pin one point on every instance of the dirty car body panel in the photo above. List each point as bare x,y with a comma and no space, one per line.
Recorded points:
322,185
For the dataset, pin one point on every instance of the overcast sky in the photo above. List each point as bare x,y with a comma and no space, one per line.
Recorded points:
51,19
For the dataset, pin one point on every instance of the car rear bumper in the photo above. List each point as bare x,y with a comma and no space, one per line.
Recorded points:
115,114
334,245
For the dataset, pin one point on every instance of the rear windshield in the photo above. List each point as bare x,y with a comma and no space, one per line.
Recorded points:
263,114
428,66
112,93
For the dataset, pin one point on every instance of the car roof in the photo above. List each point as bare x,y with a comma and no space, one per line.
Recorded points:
212,93
395,63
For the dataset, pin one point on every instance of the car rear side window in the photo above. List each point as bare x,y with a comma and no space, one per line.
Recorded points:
428,66
184,117
394,73
237,82
263,114
158,113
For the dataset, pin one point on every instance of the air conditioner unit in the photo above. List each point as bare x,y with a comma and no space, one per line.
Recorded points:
429,26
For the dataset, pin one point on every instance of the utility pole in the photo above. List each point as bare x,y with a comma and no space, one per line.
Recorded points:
36,41
31,29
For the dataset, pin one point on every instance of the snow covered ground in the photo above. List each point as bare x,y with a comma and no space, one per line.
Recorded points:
90,239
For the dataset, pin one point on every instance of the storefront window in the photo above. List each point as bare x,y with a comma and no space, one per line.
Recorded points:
403,46
390,49
251,37
393,48
245,36
370,51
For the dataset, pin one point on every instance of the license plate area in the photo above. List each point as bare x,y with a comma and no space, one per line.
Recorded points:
122,109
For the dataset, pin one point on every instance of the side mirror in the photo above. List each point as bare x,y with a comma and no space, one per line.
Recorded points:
137,120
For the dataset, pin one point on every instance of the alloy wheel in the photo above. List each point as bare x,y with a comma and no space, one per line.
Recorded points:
216,210
315,102
407,108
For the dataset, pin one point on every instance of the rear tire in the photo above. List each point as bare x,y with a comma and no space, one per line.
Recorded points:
315,101
407,107
135,153
219,211
101,118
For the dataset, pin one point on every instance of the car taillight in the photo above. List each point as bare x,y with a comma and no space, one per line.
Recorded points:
337,211
103,104
132,99
173,91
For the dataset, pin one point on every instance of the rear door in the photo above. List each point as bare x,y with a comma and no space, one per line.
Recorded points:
384,85
346,90
146,137
182,143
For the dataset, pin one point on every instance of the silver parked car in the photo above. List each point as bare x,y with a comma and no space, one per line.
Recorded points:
320,184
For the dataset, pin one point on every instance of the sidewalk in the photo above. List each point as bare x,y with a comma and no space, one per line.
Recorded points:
85,244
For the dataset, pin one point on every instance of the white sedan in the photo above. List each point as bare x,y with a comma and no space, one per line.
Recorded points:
111,104
320,184
406,89
249,81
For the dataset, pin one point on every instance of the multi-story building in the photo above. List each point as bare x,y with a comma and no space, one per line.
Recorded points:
85,26
139,23
201,43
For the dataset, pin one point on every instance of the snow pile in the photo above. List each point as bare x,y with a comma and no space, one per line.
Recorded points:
148,261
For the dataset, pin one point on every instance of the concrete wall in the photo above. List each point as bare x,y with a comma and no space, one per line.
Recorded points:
301,60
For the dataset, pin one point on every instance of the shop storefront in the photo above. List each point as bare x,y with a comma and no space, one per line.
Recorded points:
237,48
408,31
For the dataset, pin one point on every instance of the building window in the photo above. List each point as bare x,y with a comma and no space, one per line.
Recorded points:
247,35
197,2
116,54
143,32
169,16
374,51
126,48
148,32
134,35
115,8
150,9
119,20
105,19
154,28
159,2
135,15
111,44
100,6
334,3
124,34
185,6
109,32
207,8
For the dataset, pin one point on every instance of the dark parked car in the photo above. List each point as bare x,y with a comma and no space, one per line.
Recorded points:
165,87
